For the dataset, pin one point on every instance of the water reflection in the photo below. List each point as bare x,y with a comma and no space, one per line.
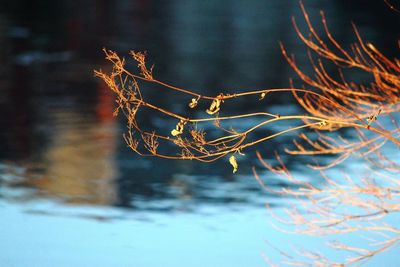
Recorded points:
77,158
77,153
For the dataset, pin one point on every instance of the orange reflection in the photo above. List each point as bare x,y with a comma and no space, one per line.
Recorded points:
80,159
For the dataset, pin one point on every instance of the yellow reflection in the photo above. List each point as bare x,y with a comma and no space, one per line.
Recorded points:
80,159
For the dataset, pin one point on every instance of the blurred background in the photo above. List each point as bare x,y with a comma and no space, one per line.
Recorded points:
72,194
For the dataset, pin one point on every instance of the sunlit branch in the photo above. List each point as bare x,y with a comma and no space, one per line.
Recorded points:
329,104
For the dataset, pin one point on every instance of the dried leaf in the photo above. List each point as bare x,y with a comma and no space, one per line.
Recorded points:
214,108
263,95
233,162
194,103
178,128
175,132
